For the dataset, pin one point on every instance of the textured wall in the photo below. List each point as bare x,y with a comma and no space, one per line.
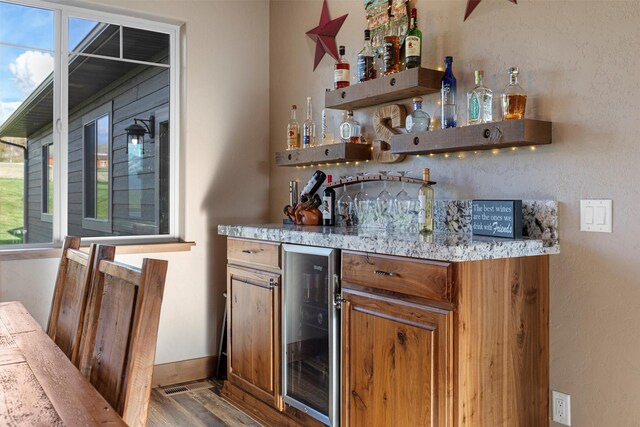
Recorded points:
578,61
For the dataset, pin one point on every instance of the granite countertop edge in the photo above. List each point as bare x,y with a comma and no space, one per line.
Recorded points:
453,247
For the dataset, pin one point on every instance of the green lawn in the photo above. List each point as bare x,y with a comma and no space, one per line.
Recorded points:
11,208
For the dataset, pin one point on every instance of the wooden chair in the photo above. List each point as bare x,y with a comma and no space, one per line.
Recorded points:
71,294
121,331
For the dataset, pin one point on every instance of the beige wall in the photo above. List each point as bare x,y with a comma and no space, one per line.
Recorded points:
579,62
224,161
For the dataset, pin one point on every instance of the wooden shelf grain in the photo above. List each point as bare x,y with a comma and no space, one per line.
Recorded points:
487,136
330,153
408,83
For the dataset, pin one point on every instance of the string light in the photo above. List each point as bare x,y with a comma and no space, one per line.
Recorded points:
446,155
533,147
514,148
357,163
495,151
431,154
418,155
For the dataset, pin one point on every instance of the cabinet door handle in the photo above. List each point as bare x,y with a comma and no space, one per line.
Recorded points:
272,283
250,251
385,273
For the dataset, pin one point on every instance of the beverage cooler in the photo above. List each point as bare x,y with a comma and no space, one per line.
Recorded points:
311,332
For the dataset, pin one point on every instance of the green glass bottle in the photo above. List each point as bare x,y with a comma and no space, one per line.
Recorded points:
413,43
425,197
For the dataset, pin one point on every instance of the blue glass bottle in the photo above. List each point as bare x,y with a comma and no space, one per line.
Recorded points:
448,96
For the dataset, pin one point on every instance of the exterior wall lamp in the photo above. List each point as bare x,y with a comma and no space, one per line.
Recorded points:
136,132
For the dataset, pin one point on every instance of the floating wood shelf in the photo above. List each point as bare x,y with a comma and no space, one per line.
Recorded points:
367,178
504,134
408,83
330,153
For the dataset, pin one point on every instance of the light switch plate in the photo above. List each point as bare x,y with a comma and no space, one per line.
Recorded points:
596,215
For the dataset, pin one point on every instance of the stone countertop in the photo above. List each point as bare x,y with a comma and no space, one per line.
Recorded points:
442,246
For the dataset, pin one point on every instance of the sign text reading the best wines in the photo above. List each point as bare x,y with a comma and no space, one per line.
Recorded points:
497,218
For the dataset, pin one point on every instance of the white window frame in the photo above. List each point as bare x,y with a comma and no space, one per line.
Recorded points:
63,10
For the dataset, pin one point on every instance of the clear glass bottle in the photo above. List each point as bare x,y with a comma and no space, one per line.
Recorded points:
341,71
448,96
366,65
479,102
418,121
413,43
514,98
350,129
308,128
293,131
425,198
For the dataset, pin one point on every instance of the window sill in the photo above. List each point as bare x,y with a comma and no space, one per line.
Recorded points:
122,249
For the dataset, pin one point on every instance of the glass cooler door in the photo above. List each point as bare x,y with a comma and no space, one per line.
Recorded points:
310,332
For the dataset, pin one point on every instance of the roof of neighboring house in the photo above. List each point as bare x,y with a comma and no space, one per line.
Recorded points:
87,75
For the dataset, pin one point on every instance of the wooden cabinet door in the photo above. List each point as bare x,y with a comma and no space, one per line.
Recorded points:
253,331
396,362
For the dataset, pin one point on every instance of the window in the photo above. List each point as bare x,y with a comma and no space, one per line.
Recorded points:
47,181
97,177
71,82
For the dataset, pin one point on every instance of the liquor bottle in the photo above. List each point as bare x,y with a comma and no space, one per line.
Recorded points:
413,43
514,98
308,128
448,96
293,131
328,204
479,102
350,129
391,55
312,186
341,73
366,66
418,121
425,197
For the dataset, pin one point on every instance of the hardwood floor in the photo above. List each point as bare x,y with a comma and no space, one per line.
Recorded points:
194,404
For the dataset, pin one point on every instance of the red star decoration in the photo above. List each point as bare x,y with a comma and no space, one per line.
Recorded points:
325,35
472,4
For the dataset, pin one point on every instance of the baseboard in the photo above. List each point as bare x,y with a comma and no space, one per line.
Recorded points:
184,371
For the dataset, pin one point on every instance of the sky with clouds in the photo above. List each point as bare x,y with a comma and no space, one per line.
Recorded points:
23,69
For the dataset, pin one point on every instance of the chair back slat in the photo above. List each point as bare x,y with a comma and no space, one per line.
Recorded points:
124,272
118,352
77,256
71,293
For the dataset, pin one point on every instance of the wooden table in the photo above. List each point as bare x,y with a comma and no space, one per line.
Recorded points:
39,386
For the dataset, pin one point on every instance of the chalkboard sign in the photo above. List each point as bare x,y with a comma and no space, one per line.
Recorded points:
497,218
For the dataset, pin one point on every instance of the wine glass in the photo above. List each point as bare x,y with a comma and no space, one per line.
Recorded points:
384,203
362,202
402,205
344,208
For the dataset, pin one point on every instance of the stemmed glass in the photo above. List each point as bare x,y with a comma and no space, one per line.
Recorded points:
344,208
362,202
402,205
384,203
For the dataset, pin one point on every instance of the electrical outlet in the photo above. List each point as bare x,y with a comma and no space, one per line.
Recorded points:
561,408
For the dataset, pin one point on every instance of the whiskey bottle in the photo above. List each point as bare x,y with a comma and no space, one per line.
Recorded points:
391,49
413,43
479,102
341,71
350,129
418,121
366,66
514,98
448,96
293,131
308,128
425,212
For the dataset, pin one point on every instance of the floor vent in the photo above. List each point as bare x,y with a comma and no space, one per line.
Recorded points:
183,388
